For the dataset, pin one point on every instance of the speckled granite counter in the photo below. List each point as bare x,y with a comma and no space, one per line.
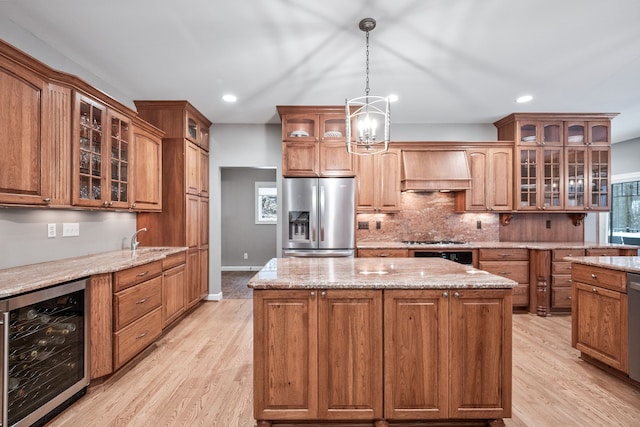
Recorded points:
630,264
17,280
498,245
373,273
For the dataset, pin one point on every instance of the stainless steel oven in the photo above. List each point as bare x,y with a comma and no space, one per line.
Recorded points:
447,249
44,348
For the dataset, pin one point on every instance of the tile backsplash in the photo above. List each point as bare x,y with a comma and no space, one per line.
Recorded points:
429,216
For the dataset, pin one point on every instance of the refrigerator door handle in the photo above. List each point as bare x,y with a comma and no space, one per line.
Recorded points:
314,207
322,213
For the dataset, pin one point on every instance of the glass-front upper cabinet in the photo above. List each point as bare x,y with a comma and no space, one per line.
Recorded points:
101,156
539,133
588,133
539,180
587,178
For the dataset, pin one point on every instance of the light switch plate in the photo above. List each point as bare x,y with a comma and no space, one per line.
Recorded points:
51,230
70,229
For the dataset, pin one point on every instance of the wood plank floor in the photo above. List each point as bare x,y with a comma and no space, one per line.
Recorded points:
200,374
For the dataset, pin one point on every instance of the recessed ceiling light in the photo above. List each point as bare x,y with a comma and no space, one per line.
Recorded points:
524,98
393,97
229,98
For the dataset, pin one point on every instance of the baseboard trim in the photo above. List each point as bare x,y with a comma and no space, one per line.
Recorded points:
241,268
214,297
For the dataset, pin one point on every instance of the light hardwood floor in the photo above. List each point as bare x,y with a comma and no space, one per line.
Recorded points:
200,374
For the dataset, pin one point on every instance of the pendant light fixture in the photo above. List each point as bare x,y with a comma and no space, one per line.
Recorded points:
369,113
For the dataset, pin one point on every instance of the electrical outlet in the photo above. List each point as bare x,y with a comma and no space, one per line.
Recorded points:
479,225
246,255
363,225
70,229
378,225
548,223
51,230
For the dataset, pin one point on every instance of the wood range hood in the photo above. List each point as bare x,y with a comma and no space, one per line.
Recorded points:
435,170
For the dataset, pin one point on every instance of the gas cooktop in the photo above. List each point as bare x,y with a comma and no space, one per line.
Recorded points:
433,242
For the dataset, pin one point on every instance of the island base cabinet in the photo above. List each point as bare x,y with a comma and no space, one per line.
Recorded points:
317,355
447,354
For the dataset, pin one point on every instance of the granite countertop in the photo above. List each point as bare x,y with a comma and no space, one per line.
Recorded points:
17,280
490,245
373,273
630,264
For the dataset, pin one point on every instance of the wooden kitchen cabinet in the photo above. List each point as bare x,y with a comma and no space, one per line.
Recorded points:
147,167
102,151
599,323
512,263
448,339
184,220
174,280
561,278
313,142
378,182
300,342
491,181
562,160
383,253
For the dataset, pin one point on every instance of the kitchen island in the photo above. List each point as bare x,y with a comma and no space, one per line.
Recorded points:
381,342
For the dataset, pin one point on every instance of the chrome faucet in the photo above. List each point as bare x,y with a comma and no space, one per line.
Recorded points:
134,240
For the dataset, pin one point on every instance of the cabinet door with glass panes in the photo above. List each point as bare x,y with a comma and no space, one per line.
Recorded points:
101,155
539,179
587,178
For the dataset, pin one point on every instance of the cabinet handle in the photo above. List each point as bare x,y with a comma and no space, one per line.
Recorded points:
456,295
569,297
594,276
445,295
142,335
594,290
144,273
323,294
506,273
384,255
505,255
312,294
142,301
47,199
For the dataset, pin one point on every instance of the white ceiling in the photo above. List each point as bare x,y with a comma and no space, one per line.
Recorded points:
449,61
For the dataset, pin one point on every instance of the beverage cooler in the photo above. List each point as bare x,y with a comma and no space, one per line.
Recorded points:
44,352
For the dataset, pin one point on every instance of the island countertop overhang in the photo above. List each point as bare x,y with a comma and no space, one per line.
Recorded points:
373,273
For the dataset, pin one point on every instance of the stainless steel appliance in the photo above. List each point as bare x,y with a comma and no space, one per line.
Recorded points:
633,297
44,349
433,249
318,217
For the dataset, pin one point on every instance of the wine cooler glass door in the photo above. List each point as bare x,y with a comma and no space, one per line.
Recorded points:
44,354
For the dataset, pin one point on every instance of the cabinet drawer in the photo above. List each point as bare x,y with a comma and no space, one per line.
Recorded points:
503,254
561,268
603,252
132,339
561,280
560,254
561,297
609,279
383,253
174,259
136,301
131,276
514,270
521,295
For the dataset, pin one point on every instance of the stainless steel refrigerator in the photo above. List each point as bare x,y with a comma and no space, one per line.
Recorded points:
318,217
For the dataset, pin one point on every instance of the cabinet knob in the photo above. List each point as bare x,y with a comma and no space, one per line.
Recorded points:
323,294
594,290
445,295
312,294
47,199
456,295
594,276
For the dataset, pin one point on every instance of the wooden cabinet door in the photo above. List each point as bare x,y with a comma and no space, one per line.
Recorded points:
192,295
204,174
173,293
335,160
350,323
416,355
285,348
300,159
539,178
118,162
477,197
25,147
378,182
147,171
192,164
192,218
600,324
480,353
500,173
203,289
